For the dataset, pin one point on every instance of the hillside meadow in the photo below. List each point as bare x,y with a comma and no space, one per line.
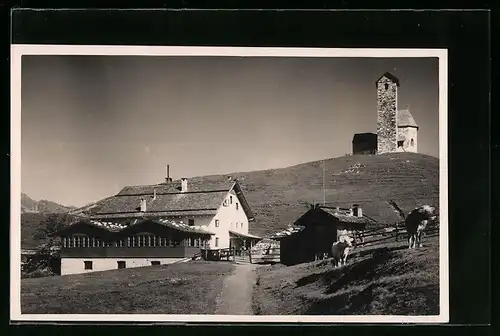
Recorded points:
386,279
185,288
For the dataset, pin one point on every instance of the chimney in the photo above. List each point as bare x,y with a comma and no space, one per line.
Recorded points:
168,179
357,210
184,184
143,205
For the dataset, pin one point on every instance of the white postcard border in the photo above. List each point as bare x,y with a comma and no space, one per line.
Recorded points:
17,51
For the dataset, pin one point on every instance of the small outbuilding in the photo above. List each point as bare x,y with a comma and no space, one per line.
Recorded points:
364,143
316,230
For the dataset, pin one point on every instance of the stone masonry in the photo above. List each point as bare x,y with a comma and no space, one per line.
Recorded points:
387,115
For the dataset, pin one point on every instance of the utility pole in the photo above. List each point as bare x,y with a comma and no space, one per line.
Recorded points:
324,190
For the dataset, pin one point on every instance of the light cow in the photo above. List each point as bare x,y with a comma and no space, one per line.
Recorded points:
341,249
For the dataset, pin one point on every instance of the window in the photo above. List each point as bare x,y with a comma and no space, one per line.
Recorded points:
241,225
191,222
216,223
237,206
87,265
217,242
155,263
231,199
121,264
412,143
386,86
400,143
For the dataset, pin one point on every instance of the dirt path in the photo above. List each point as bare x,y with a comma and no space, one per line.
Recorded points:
236,296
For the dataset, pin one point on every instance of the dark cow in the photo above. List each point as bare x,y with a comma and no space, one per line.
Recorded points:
416,222
340,250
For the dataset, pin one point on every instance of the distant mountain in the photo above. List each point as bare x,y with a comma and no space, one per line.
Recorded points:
28,205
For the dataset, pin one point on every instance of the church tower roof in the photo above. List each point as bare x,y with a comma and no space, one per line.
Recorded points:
390,76
405,119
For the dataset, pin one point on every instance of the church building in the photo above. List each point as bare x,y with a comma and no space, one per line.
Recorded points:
396,129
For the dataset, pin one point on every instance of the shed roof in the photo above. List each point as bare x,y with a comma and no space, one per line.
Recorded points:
343,215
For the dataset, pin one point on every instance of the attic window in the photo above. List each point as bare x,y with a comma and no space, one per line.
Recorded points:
400,143
191,222
386,86
231,199
216,223
237,206
412,143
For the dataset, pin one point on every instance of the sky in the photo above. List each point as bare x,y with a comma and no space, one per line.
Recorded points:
91,125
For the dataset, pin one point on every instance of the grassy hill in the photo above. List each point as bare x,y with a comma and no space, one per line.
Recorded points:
279,196
385,280
165,289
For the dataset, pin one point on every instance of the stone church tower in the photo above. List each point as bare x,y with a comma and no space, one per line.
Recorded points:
387,105
396,130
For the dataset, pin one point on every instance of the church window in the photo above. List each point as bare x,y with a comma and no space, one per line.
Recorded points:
412,143
386,86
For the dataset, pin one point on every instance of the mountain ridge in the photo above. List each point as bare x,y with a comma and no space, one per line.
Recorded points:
29,205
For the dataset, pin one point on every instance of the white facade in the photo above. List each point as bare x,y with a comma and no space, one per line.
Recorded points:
77,265
409,137
230,216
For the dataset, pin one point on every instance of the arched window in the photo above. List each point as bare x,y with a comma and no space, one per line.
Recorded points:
412,143
386,86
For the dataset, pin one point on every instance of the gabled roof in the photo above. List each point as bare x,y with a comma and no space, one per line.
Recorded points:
405,119
390,76
203,197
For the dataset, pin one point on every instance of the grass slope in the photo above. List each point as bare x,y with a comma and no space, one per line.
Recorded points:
389,280
187,288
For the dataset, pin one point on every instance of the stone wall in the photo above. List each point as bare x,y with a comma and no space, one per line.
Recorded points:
387,118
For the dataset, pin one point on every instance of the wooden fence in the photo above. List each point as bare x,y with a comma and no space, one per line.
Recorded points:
383,235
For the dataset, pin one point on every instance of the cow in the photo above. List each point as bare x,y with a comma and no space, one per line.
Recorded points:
416,223
340,250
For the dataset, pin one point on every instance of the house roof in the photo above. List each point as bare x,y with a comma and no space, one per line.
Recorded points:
203,197
112,227
405,119
243,235
389,76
